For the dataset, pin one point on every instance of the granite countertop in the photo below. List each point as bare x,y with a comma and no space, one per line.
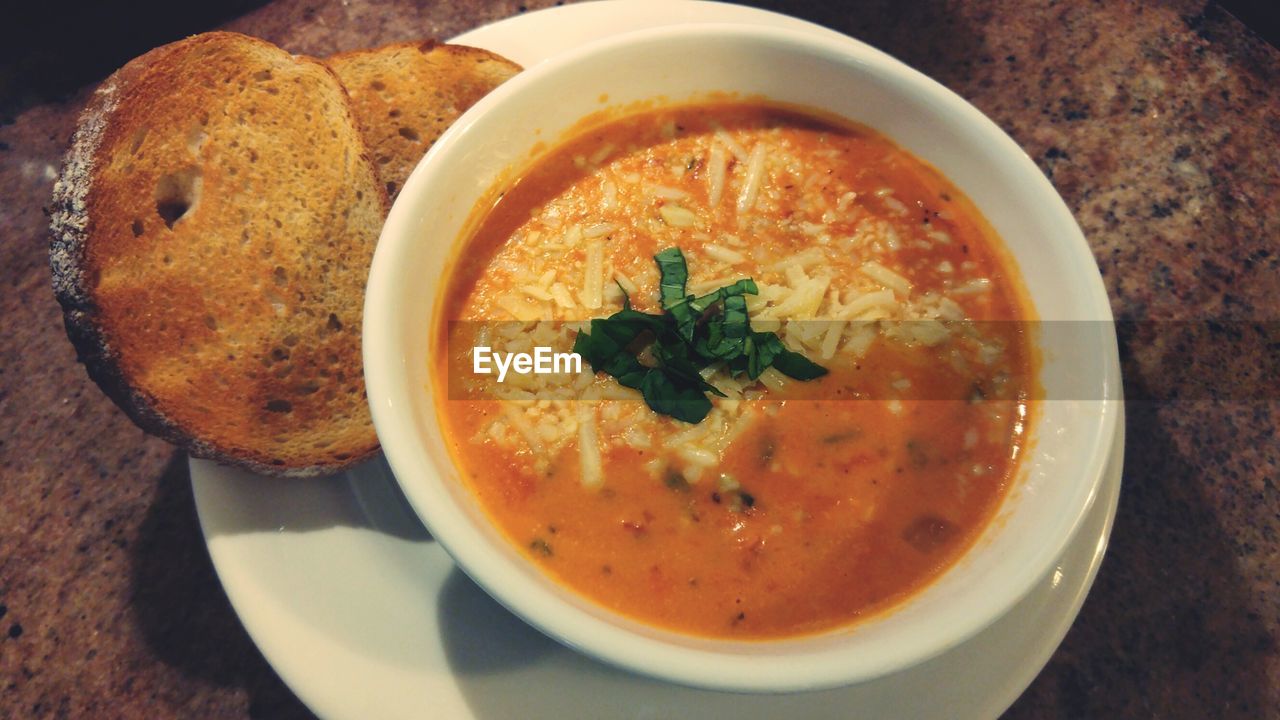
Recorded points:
1158,122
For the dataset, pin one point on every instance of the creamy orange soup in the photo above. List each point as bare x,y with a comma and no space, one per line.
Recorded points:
794,506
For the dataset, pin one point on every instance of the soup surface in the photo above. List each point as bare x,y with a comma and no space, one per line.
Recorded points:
793,506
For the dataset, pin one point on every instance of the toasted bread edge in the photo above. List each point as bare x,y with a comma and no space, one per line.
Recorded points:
71,226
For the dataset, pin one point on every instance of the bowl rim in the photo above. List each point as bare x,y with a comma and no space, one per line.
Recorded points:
608,641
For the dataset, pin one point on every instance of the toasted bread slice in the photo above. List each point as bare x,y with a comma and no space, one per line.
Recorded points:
405,95
212,233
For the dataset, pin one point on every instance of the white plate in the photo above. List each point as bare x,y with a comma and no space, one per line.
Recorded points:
363,616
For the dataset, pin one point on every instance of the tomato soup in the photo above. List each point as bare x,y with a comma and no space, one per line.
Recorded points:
793,505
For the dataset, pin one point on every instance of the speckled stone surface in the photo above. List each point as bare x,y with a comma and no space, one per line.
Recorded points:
1158,122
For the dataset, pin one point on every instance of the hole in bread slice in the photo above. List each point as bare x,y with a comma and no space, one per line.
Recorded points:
279,406
177,193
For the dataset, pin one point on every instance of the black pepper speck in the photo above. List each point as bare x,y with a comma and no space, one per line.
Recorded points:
15,631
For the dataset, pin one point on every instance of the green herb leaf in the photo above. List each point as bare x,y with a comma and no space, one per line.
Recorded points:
726,329
541,547
671,395
795,365
693,334
673,274
766,347
673,360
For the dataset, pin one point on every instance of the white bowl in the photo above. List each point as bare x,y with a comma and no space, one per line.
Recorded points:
1060,472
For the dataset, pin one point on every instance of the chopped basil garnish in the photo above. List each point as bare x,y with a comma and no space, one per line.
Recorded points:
541,547
691,334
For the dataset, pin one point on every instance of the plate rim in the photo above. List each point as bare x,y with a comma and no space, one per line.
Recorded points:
1040,647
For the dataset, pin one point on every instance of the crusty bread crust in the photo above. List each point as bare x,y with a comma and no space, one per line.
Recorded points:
406,94
195,253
